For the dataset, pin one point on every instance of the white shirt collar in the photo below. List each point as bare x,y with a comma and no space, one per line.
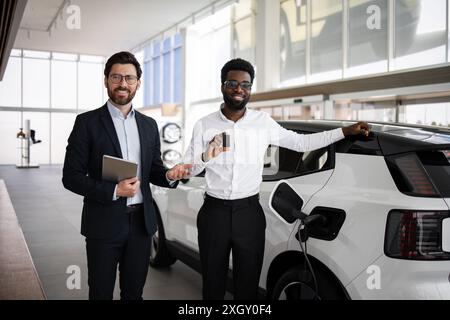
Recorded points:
222,116
116,113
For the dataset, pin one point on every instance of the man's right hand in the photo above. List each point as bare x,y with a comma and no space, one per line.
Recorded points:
128,187
214,148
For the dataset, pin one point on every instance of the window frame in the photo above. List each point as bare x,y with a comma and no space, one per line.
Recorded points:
329,164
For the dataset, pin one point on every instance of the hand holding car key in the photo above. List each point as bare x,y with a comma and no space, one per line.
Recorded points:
219,144
225,141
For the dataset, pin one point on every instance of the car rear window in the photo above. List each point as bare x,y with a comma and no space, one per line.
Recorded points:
437,165
421,173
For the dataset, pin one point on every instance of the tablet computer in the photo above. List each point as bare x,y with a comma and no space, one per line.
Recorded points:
116,169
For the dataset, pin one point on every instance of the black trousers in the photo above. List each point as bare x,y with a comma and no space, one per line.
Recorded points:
237,226
130,250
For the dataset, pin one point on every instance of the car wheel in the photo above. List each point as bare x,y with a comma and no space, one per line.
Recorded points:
159,253
297,284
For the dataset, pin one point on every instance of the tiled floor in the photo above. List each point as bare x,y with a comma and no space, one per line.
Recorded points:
18,276
50,219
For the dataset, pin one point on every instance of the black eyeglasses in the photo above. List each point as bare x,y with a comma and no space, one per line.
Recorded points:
233,84
117,78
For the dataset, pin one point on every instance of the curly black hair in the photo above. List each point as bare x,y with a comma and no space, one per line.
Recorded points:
122,57
237,64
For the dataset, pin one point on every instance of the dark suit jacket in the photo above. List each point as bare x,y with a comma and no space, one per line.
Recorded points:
93,136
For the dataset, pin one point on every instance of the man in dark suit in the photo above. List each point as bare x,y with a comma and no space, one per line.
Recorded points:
118,219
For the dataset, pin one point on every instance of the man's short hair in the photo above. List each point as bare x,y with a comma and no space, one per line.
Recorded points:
237,64
123,57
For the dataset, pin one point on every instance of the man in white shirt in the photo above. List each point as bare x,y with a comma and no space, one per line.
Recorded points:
231,218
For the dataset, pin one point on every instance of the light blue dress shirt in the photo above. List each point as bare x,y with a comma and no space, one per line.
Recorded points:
130,145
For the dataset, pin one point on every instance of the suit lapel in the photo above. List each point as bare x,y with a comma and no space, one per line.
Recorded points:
143,140
111,131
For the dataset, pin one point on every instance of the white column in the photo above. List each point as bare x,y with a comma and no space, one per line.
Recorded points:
328,109
267,44
26,151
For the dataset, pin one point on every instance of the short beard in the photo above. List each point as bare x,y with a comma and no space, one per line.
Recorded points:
233,105
121,102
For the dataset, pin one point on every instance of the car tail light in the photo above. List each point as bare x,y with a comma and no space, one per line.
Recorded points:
415,235
410,176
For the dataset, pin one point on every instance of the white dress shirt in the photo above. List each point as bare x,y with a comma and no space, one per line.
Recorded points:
237,173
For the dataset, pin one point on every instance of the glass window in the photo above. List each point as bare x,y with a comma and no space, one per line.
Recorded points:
281,163
62,124
420,33
167,77
156,48
435,114
384,111
36,83
293,42
326,40
221,54
16,53
304,112
90,85
89,58
156,80
10,85
178,72
177,40
244,39
36,54
156,72
367,39
167,44
9,127
148,84
196,112
242,8
163,65
138,100
167,71
342,110
244,31
64,56
40,123
64,84
207,54
448,39
276,112
147,70
42,90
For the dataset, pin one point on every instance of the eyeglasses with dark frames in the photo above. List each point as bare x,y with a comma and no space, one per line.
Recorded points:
233,84
118,78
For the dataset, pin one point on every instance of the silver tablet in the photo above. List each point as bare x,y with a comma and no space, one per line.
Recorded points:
117,169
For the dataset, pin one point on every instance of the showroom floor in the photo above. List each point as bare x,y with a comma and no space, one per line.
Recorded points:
50,219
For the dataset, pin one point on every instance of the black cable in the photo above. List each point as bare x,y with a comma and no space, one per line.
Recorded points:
316,287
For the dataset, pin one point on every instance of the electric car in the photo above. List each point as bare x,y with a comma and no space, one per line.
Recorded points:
364,218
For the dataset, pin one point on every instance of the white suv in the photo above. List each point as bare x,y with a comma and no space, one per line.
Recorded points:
383,220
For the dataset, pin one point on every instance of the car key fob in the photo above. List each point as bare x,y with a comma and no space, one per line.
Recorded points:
225,141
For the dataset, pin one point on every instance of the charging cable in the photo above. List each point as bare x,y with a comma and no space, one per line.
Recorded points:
316,288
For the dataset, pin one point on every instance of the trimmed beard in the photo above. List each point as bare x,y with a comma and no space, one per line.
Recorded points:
121,101
234,105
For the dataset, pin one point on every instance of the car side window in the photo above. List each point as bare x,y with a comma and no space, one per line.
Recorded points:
281,163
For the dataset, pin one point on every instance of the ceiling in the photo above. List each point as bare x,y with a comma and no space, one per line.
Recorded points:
106,26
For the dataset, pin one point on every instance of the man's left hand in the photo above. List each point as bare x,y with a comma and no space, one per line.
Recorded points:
358,128
180,171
